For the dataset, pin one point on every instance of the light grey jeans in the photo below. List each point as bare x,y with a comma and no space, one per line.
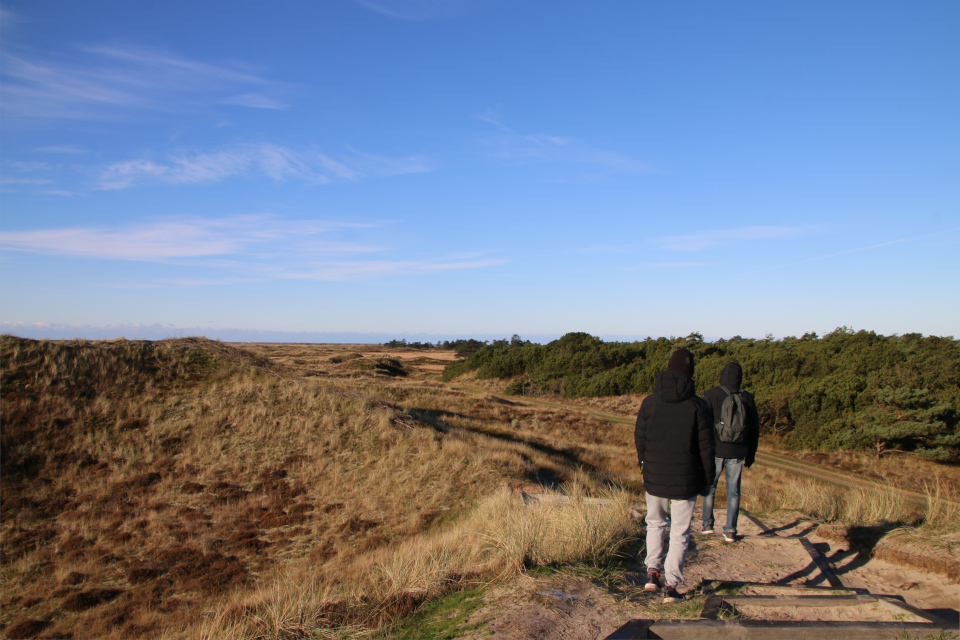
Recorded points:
680,513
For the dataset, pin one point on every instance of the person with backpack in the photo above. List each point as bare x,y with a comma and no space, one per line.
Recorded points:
737,426
674,437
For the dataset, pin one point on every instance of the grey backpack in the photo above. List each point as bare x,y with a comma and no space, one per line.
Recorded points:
732,424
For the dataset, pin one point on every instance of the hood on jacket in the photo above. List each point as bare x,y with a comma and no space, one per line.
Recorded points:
732,376
674,386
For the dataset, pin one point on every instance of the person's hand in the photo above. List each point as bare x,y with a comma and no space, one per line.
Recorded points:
748,463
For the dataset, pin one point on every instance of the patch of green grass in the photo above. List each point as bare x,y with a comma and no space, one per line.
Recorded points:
941,635
726,589
545,569
688,609
444,618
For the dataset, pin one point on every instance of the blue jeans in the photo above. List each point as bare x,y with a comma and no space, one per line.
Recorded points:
733,468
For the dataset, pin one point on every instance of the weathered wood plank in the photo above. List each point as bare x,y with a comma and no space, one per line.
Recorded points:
822,564
899,606
633,630
768,630
800,601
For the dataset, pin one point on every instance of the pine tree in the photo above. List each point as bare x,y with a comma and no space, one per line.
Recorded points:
905,419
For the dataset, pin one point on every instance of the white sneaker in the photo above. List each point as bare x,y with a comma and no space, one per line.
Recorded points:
729,537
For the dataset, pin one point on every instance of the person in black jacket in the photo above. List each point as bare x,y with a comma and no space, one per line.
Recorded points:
731,456
675,447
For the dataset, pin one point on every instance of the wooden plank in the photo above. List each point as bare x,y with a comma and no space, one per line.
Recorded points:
896,605
800,601
633,630
716,584
822,564
782,629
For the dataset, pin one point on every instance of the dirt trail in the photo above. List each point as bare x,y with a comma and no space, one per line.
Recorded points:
770,558
777,460
569,606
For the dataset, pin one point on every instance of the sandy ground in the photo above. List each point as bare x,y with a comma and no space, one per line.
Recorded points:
565,606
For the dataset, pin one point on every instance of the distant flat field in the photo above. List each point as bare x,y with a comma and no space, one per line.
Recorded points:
309,358
289,348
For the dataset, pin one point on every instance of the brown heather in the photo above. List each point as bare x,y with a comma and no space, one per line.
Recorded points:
192,489
187,487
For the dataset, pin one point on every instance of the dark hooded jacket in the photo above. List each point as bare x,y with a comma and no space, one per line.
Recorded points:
675,439
731,377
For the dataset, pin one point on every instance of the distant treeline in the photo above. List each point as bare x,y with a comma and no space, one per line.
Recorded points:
846,390
464,348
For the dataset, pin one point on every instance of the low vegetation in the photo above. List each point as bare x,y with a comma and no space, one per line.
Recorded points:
145,484
191,489
845,391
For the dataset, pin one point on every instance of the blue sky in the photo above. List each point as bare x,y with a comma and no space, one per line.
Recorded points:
478,168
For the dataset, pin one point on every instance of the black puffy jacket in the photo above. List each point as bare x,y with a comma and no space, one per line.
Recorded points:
675,439
731,377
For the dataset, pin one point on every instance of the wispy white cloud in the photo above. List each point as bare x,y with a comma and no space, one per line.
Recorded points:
64,149
668,265
255,101
350,270
260,247
856,250
600,248
373,164
512,145
102,81
6,180
58,192
416,10
709,238
32,165
8,18
175,239
274,161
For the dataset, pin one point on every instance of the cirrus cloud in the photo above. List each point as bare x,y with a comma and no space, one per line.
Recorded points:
709,238
276,162
260,247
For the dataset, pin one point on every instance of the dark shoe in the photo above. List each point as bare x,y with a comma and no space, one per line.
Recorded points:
729,537
707,531
670,595
653,582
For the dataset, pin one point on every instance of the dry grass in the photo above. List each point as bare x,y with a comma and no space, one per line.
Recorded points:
881,507
903,469
767,489
188,488
497,539
142,482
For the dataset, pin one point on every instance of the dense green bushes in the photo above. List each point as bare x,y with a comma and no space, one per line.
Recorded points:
846,390
463,347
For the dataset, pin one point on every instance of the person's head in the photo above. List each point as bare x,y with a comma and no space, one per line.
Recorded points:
732,375
681,360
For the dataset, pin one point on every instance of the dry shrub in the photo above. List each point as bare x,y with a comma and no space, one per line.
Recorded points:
940,526
767,489
497,539
576,531
179,471
937,526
